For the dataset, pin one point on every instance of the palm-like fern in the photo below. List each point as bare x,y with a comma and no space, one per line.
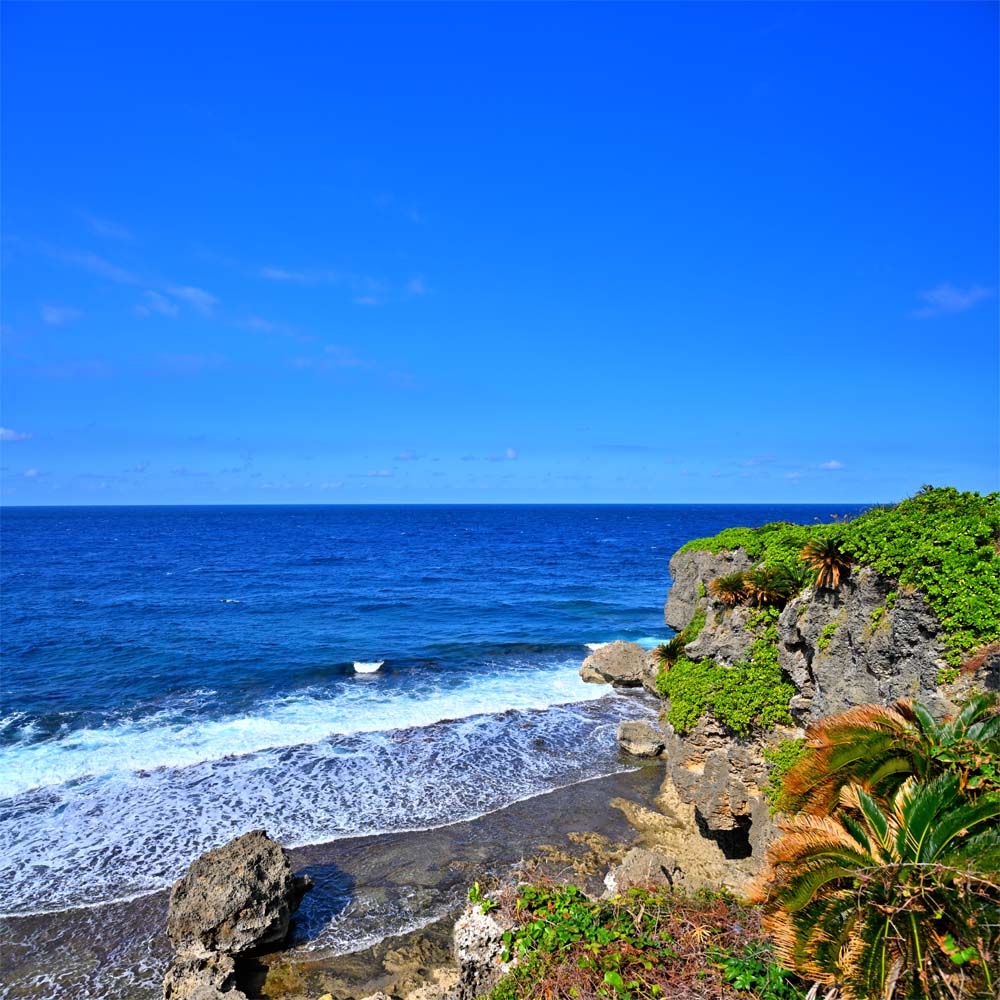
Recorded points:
730,589
671,650
899,899
825,557
881,747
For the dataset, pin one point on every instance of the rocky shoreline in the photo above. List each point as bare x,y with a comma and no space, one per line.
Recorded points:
708,822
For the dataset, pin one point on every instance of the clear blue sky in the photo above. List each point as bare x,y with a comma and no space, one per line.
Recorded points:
554,253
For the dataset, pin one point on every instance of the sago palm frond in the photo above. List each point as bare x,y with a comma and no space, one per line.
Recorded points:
729,589
825,557
881,747
879,899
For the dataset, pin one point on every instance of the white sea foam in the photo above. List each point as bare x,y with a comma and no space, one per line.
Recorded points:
165,740
367,668
595,646
129,832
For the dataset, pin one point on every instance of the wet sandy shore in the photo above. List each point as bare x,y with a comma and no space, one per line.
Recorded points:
407,883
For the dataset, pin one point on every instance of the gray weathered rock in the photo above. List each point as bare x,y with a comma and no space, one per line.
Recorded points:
621,664
845,647
202,975
478,946
691,573
235,899
725,637
640,739
240,896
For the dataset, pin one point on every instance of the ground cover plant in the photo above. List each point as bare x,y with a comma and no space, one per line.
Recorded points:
642,945
751,694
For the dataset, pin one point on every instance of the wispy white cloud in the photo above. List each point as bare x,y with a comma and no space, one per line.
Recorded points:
509,455
344,357
31,473
366,289
104,227
332,486
9,434
793,475
283,274
407,456
758,460
198,298
75,369
832,465
186,364
155,302
947,298
97,265
59,315
417,286
379,473
262,325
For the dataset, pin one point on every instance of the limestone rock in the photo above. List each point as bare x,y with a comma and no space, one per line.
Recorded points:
240,896
202,976
640,739
691,573
233,900
478,946
725,637
621,664
846,647
643,867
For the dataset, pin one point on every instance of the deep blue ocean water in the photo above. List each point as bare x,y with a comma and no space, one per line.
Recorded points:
175,676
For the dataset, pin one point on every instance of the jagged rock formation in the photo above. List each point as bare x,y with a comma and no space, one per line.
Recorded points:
621,664
640,739
691,573
478,948
870,652
864,642
232,901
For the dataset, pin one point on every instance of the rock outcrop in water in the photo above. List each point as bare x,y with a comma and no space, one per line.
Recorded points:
231,902
620,664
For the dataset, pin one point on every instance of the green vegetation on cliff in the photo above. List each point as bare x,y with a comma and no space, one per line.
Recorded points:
941,542
751,694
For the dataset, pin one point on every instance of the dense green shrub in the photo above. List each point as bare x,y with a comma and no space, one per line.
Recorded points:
778,542
748,695
944,543
780,758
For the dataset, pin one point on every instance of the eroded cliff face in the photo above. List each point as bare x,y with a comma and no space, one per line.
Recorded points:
865,642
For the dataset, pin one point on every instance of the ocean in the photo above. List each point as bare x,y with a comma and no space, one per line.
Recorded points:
175,676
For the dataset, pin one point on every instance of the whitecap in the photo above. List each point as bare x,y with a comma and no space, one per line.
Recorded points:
367,668
169,739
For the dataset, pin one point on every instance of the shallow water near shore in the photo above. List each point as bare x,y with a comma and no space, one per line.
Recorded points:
365,888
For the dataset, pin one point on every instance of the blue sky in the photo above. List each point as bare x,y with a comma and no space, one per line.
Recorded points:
512,253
